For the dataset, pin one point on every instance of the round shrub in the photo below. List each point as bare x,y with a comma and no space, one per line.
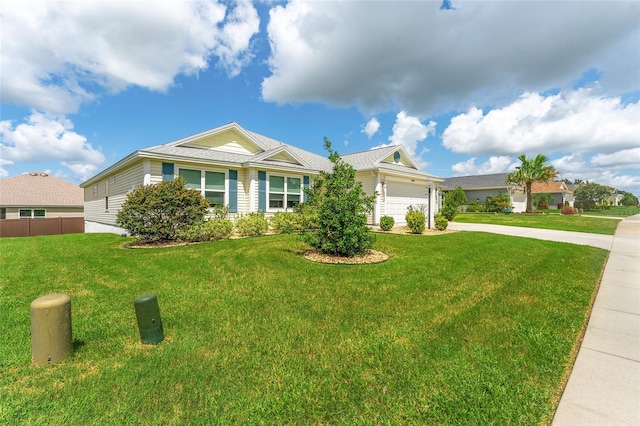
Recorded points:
386,223
416,221
160,212
569,210
252,224
441,222
449,212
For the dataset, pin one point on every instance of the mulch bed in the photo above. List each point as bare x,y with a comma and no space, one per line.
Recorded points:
371,256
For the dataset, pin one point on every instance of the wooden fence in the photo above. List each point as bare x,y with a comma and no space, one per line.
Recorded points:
41,226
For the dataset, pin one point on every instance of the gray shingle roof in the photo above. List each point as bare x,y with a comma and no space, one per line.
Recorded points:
369,159
311,162
496,180
39,189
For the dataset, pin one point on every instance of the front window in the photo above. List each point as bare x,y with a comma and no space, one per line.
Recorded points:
192,177
284,192
293,192
214,188
276,192
211,185
32,213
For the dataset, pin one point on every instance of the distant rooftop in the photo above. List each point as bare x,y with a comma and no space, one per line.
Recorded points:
39,189
496,180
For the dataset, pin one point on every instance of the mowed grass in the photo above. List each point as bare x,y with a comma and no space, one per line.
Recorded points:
593,225
461,328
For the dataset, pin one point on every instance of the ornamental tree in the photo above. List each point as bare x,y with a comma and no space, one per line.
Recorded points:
628,199
529,171
453,200
159,212
342,207
591,195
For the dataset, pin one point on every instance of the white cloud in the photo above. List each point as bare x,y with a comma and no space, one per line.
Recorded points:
571,166
615,170
45,137
497,164
414,56
234,47
371,128
573,121
623,182
57,55
408,131
627,158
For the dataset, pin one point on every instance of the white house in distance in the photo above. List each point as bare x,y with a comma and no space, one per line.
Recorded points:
250,172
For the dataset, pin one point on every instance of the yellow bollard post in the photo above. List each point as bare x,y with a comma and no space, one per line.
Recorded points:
50,328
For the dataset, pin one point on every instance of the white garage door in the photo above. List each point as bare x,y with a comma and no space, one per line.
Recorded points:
402,195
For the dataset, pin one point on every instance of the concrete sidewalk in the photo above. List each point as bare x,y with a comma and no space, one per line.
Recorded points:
604,385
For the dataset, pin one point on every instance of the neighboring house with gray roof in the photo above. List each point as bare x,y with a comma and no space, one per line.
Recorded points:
39,195
479,187
249,172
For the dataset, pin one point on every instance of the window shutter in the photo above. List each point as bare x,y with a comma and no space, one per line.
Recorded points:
305,185
233,191
262,191
167,171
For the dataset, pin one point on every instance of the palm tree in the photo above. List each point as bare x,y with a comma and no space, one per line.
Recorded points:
531,170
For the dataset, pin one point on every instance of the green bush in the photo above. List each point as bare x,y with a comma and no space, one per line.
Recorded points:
449,212
453,200
416,221
159,212
307,216
475,207
219,212
252,224
342,207
286,222
441,222
499,202
386,223
210,230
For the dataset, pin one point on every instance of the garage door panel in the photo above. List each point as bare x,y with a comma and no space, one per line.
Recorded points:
399,196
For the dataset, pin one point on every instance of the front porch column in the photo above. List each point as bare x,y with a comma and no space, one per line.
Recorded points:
377,206
433,197
252,190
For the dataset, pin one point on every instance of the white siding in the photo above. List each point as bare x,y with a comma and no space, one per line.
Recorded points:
369,186
115,186
156,171
243,191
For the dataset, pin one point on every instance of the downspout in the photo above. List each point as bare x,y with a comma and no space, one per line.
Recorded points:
430,209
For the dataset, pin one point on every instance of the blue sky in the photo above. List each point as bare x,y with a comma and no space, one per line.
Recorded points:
465,88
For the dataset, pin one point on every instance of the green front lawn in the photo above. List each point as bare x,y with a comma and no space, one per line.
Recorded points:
465,328
593,225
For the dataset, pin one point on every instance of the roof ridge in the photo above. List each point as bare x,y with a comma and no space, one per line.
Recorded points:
374,149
